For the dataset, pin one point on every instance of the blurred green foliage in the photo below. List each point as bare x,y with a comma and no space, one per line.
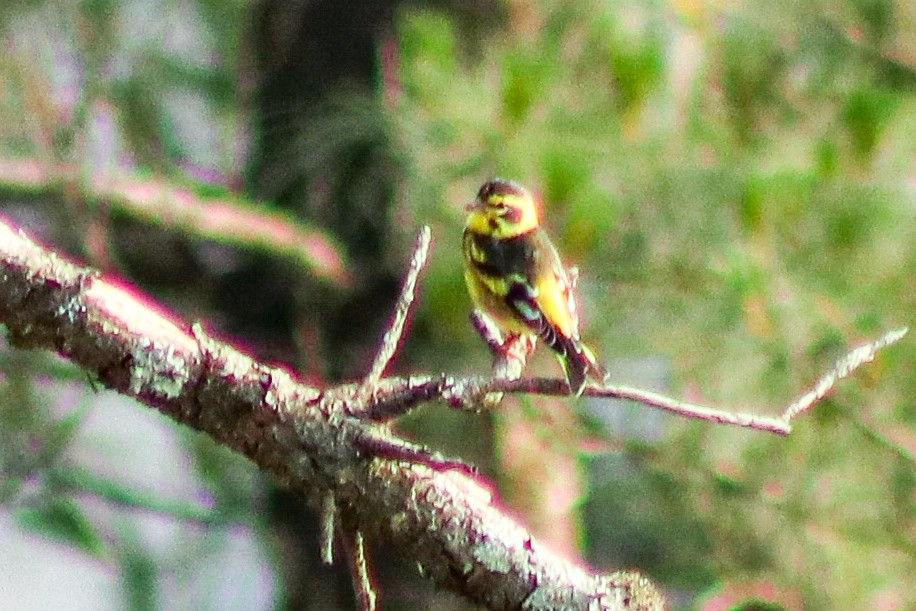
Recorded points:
735,181
736,186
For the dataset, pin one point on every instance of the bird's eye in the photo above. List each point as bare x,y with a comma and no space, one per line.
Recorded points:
513,214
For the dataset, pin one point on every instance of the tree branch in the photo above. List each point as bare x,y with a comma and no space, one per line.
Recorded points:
392,338
397,396
446,521
228,219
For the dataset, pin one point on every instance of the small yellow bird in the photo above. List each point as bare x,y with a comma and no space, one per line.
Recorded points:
515,276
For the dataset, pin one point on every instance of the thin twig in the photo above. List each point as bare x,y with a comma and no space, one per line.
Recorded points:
488,330
363,582
384,445
558,387
693,410
398,396
393,335
780,425
327,520
843,368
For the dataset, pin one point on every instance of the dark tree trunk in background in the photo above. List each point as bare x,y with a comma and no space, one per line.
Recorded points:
322,151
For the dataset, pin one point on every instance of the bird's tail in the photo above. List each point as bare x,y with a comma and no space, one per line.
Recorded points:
579,362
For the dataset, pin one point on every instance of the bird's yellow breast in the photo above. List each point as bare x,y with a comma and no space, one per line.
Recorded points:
495,267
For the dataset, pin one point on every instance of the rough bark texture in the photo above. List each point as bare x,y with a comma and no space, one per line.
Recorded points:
447,521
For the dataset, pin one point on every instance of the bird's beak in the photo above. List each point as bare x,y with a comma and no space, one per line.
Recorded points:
473,205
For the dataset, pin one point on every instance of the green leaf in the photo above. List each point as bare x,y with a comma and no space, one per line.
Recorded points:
64,520
866,113
139,576
83,481
757,605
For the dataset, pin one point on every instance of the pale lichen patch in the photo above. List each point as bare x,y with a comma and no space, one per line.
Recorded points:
158,371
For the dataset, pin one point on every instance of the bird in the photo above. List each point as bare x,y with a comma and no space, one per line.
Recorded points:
515,276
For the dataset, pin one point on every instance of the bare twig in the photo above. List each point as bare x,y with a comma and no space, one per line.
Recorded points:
403,394
327,516
781,425
488,330
843,368
363,581
393,335
553,386
510,355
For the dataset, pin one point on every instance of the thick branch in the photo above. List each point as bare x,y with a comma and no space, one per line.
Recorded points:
446,521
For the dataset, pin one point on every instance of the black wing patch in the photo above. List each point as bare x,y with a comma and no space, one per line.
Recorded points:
521,298
501,257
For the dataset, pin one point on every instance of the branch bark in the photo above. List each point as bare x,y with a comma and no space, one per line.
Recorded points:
308,438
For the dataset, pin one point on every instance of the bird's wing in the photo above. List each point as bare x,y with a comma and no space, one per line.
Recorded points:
548,309
543,308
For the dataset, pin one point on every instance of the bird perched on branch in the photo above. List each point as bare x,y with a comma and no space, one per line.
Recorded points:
515,277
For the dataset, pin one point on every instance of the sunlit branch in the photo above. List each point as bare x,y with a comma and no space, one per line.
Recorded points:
444,520
326,444
229,219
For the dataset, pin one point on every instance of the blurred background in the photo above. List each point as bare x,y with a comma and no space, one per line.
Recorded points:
736,183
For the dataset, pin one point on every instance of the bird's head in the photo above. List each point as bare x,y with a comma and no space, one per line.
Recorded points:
502,209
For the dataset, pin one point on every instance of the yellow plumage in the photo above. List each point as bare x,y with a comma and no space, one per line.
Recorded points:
515,276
